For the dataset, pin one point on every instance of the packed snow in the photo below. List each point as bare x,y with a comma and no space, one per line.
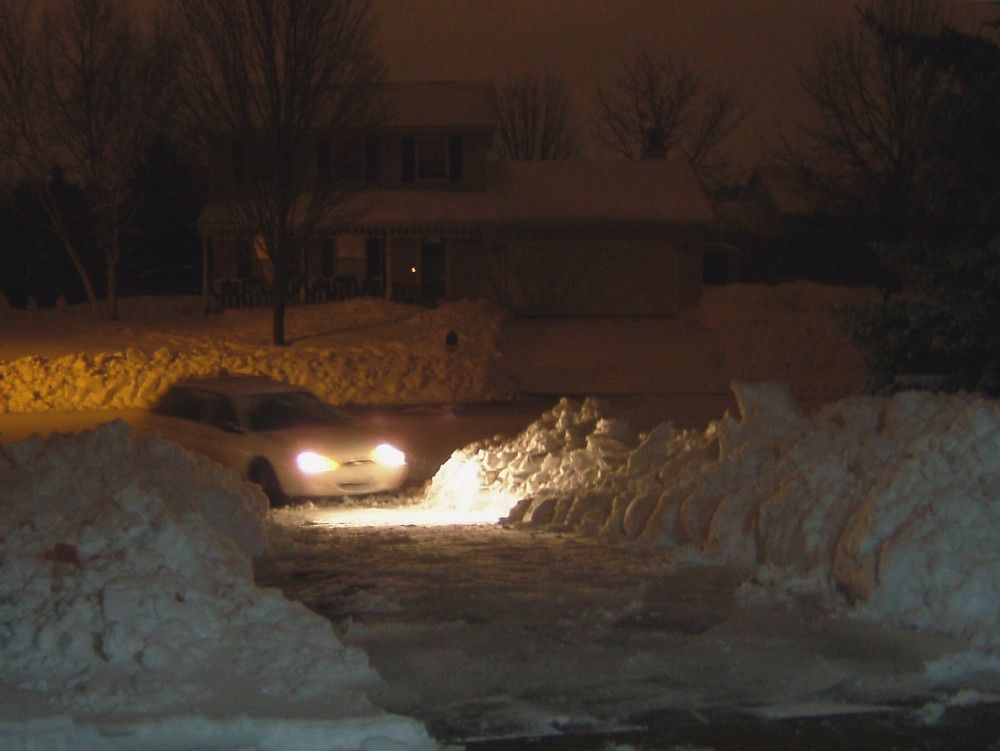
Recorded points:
127,591
126,583
892,501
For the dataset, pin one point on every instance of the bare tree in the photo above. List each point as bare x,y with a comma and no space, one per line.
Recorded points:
84,90
25,134
658,107
535,119
876,103
267,83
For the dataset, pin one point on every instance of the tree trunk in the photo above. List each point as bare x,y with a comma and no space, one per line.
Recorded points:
112,310
81,270
278,317
278,297
279,250
111,244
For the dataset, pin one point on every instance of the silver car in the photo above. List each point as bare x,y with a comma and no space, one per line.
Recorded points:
282,437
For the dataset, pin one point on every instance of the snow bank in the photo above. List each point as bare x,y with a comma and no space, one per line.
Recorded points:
893,501
413,366
369,351
126,590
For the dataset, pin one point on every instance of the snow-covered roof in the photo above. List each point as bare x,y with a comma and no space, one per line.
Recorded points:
572,192
420,207
655,191
440,104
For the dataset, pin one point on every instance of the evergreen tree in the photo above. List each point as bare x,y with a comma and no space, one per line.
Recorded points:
952,251
164,249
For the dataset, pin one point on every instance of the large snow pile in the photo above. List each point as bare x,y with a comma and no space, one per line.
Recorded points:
412,363
893,501
126,589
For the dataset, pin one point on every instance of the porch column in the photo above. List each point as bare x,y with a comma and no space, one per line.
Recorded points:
206,281
388,267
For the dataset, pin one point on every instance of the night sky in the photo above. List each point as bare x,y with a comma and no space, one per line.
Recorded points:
756,45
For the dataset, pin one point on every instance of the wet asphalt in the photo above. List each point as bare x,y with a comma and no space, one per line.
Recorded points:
973,728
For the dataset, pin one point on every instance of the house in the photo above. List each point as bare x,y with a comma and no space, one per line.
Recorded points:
434,218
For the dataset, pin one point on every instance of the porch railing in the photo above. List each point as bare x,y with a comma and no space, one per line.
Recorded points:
257,293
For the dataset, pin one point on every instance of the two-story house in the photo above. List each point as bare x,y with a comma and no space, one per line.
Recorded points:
432,218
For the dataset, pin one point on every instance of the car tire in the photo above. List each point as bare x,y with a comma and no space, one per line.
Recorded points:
262,473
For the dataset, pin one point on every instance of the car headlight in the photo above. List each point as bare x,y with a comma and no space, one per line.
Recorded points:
389,456
311,463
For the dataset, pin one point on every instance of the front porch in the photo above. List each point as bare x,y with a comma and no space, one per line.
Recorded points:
406,265
258,292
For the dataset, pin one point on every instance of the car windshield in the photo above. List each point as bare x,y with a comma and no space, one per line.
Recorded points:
289,409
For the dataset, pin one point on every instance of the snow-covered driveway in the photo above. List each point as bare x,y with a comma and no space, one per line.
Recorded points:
617,593
486,632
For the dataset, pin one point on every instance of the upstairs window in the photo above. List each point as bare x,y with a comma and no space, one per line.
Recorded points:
350,160
253,159
347,160
432,159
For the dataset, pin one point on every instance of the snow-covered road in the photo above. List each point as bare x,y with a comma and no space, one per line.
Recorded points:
486,632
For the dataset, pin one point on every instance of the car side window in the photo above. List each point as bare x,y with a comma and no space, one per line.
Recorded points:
179,402
218,410
266,413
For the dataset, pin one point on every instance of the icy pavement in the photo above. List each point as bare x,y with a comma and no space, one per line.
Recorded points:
484,632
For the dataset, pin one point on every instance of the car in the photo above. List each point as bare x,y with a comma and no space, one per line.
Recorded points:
282,437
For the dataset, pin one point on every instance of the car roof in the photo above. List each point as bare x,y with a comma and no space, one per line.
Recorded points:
239,385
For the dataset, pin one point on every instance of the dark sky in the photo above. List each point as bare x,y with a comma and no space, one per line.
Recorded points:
755,44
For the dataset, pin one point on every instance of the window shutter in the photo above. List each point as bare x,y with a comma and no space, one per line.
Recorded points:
455,159
409,160
324,165
371,160
239,153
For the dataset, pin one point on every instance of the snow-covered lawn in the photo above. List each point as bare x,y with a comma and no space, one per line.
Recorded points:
369,351
128,613
362,351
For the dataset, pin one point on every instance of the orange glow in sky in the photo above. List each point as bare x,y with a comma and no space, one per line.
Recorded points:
757,45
